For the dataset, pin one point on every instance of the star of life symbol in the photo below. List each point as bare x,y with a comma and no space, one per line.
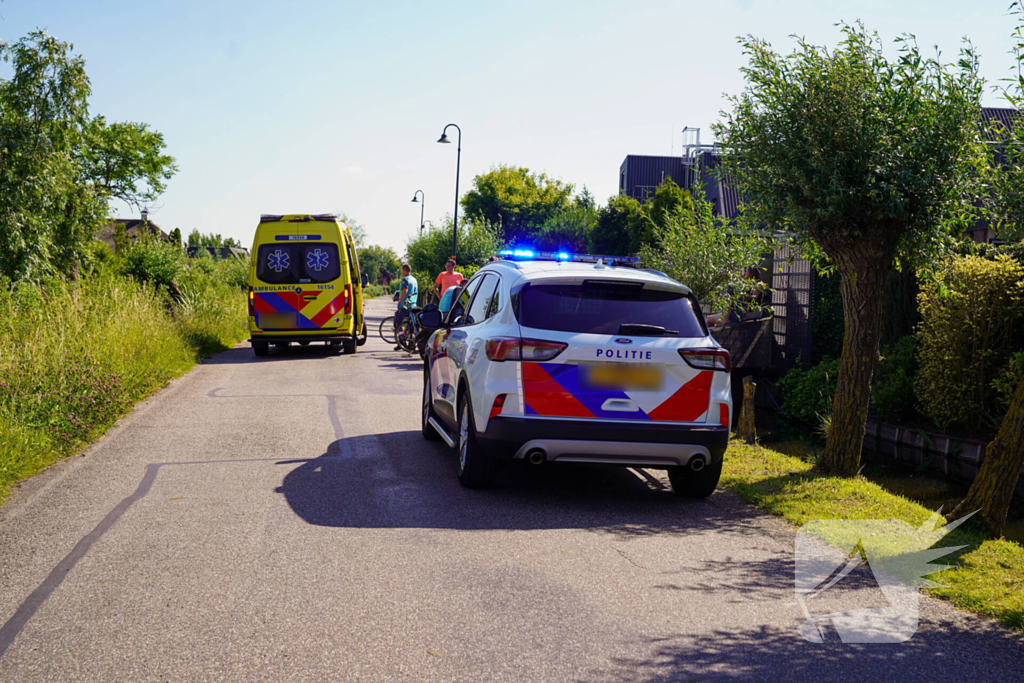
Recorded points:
899,557
316,259
277,260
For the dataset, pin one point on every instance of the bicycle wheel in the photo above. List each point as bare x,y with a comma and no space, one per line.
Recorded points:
405,335
387,330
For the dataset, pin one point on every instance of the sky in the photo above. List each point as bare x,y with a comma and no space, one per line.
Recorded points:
324,106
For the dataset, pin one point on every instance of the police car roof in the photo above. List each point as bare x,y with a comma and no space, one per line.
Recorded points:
561,270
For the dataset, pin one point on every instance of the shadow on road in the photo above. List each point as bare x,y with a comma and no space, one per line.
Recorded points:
940,651
398,480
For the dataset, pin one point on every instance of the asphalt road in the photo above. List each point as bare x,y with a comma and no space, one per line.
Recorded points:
283,519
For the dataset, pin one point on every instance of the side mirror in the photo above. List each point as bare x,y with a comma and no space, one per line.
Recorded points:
430,319
364,280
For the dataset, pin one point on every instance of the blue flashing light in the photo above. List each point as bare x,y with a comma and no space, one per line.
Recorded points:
562,256
505,252
567,257
523,253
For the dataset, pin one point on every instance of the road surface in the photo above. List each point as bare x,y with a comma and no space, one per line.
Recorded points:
282,519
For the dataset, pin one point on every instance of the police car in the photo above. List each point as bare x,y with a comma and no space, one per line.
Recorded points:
571,358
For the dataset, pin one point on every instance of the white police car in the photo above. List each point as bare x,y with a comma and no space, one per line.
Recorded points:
567,358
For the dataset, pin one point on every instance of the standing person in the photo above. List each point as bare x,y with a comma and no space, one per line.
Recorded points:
408,294
447,279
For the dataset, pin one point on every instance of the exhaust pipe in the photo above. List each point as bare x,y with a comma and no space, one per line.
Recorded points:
536,457
696,463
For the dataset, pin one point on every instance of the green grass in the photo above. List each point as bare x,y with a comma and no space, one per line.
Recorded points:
74,357
987,576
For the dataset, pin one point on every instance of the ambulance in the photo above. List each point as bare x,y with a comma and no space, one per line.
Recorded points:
304,284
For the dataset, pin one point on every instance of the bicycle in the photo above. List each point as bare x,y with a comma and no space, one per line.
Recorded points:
403,335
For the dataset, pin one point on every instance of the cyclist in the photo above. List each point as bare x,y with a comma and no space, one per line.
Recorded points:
407,297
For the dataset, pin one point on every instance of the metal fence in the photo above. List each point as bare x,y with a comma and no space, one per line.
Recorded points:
792,287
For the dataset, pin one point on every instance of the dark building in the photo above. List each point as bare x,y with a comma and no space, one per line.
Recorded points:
639,175
133,229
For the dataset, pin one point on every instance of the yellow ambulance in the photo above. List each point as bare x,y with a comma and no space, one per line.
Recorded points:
304,284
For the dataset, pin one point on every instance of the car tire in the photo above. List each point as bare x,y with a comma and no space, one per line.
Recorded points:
427,411
475,468
260,348
348,346
689,484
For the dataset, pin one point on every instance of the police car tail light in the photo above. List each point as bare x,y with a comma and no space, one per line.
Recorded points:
252,308
707,359
508,348
537,350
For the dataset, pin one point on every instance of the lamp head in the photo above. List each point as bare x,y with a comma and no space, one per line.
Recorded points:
444,138
414,199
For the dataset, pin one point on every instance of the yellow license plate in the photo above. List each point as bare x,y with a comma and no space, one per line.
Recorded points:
277,321
624,376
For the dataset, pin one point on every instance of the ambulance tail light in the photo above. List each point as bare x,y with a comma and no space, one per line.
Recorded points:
707,359
499,403
509,348
252,308
348,299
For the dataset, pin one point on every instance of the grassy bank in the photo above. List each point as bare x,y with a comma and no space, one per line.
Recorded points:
987,578
76,356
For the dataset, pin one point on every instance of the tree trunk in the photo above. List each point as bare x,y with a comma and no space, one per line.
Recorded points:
864,268
992,489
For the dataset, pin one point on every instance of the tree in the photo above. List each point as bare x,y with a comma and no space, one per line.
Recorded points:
619,227
704,253
58,167
126,161
668,202
174,237
357,229
43,109
569,230
516,201
992,488
864,159
427,252
215,240
373,259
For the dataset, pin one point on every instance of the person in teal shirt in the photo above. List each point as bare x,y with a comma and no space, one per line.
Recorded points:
407,298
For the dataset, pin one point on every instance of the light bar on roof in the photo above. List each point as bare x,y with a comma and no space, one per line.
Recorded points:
530,255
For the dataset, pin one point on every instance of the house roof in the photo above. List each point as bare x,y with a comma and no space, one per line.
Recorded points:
133,227
1004,116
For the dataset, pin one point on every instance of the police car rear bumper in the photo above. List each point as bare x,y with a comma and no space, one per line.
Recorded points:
645,444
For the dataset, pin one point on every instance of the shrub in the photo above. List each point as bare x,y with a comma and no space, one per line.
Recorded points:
1006,382
892,393
155,262
807,394
968,312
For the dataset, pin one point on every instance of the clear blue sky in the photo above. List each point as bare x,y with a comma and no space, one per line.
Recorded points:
324,106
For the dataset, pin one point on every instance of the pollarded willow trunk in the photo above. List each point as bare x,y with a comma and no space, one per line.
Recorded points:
992,489
864,271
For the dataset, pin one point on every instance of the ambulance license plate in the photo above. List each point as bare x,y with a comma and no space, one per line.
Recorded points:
277,321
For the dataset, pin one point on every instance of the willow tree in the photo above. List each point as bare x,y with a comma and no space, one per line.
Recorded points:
992,489
863,159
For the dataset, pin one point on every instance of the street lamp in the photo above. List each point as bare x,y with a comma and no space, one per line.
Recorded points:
458,162
422,201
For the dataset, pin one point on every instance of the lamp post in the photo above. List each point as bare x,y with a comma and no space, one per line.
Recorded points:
458,162
422,201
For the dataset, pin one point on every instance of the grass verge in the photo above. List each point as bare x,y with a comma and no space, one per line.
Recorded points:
76,356
987,576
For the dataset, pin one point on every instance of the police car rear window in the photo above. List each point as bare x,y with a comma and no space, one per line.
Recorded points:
292,264
599,307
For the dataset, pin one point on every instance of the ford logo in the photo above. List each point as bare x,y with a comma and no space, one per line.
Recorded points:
623,340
